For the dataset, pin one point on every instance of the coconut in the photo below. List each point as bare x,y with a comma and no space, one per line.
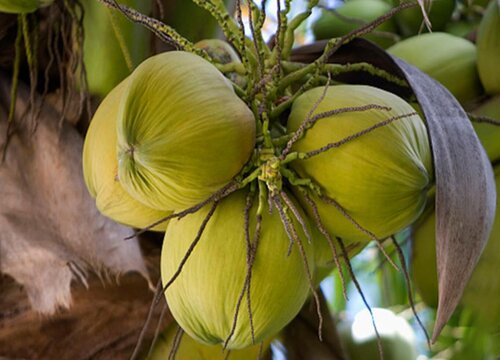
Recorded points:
203,298
352,15
449,59
22,6
488,48
381,178
182,131
100,169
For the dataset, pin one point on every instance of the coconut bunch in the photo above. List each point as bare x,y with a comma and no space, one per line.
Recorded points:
264,172
175,137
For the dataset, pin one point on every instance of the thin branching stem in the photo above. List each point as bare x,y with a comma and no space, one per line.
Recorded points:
157,330
358,134
328,237
409,289
220,194
191,248
160,29
354,279
296,213
295,239
359,227
483,119
179,334
145,326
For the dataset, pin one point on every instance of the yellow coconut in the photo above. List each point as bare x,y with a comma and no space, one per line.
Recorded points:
203,298
100,169
183,133
379,179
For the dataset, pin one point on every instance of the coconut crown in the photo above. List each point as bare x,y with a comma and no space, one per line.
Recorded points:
182,131
100,169
380,179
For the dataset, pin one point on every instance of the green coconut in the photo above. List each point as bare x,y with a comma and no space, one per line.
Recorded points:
100,169
190,349
483,290
488,48
397,338
182,131
381,178
203,298
439,12
352,15
22,6
449,59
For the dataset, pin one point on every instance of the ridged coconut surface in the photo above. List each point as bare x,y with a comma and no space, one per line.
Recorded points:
182,131
100,169
380,178
203,298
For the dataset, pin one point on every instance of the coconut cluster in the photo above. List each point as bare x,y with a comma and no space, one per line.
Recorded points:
257,221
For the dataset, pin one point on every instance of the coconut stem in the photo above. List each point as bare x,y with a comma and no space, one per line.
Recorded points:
294,238
351,137
145,326
160,29
483,119
293,25
177,342
311,120
358,226
191,247
218,195
327,236
251,252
